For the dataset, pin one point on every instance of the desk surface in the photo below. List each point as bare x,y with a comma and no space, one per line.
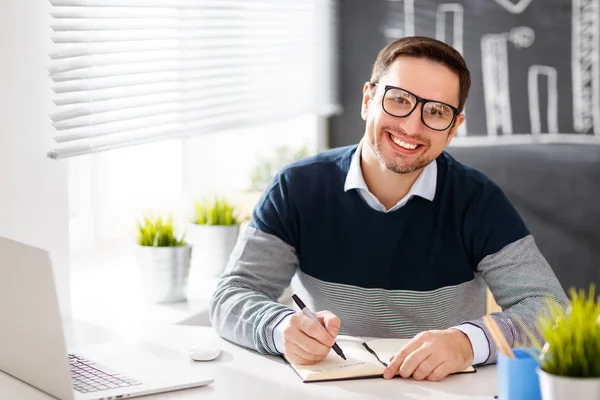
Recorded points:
242,373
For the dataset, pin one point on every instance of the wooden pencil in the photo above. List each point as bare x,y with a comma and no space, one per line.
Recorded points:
498,337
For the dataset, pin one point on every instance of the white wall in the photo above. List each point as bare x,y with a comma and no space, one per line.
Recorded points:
33,189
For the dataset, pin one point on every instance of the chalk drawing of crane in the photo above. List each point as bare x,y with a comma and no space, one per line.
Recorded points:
457,12
535,71
585,66
496,87
400,21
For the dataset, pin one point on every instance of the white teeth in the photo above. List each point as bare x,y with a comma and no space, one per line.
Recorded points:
403,144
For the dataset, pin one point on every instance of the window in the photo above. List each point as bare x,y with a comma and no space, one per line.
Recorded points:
187,95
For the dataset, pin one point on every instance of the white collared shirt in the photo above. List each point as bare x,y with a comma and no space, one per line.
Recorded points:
424,186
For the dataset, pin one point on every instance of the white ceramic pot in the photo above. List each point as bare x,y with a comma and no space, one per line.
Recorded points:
555,387
212,247
164,272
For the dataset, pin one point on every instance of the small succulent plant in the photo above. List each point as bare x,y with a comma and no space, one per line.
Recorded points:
215,212
157,232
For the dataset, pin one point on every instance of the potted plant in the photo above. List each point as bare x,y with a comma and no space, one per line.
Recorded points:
570,359
213,233
163,259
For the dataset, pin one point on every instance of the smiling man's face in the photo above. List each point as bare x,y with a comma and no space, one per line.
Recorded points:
405,145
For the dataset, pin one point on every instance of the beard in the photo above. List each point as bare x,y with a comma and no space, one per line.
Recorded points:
399,163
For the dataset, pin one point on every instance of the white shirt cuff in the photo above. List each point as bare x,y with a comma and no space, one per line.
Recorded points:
278,333
479,342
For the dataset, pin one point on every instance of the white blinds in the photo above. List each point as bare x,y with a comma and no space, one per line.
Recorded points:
127,72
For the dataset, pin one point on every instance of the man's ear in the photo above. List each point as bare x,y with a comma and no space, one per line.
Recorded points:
368,92
460,118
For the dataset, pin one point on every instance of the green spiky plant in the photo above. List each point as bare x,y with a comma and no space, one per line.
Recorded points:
157,232
215,212
572,336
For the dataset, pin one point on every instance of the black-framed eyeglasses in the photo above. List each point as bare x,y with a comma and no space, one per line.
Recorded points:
400,103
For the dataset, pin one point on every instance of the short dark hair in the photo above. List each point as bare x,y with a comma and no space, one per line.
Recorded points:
425,47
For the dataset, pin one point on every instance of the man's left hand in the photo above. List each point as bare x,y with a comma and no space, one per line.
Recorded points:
432,355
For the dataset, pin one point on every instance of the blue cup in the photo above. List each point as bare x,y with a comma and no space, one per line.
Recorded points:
517,378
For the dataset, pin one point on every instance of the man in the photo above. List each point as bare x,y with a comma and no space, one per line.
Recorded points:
394,237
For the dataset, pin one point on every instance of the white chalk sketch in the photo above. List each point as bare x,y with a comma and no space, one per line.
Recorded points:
515,7
457,24
457,35
535,71
494,58
585,66
521,36
400,21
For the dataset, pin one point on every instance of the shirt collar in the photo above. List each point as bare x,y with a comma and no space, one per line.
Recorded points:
424,186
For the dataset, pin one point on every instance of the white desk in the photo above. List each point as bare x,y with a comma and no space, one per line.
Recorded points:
243,374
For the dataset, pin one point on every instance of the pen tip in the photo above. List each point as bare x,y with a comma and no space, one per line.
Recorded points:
343,356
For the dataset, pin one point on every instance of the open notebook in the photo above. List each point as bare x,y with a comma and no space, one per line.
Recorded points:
362,360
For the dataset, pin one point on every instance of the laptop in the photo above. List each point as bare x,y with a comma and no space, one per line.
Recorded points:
33,346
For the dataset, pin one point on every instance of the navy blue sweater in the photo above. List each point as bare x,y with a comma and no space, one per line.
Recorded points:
422,246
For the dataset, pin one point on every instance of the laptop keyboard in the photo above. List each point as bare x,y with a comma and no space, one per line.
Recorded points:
88,376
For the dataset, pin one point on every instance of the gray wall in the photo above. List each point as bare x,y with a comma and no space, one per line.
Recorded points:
556,190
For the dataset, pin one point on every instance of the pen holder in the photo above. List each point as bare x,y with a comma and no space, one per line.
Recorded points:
517,378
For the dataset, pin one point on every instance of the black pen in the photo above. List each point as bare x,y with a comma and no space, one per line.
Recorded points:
312,316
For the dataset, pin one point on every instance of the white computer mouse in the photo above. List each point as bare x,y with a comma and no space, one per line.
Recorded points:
205,351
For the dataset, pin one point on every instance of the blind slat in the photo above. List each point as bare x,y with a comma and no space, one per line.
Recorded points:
184,4
188,108
104,60
66,13
122,104
166,66
154,121
173,132
118,93
124,93
94,24
129,35
218,123
158,77
69,50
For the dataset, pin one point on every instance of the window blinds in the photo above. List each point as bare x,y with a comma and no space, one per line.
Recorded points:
127,72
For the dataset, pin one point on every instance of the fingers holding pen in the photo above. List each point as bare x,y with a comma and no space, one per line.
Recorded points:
299,355
305,341
330,321
313,329
313,334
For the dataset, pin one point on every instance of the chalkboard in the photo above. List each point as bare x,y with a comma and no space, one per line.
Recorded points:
535,64
535,70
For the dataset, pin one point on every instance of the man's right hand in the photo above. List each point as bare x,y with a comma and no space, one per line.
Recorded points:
306,342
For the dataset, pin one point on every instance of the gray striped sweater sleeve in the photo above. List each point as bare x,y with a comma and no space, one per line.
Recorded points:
521,280
244,307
